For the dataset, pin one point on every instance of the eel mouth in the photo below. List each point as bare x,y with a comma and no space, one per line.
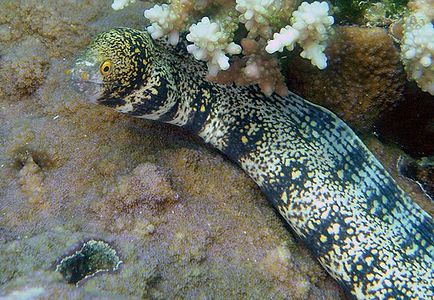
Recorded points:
86,79
91,91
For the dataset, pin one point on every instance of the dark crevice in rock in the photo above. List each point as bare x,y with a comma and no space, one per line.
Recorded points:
41,158
421,171
410,124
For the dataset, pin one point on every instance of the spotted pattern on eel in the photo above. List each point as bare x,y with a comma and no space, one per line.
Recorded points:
335,195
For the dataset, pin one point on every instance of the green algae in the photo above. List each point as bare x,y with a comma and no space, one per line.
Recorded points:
369,12
93,257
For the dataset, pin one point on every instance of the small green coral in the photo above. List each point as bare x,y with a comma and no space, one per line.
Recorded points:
93,257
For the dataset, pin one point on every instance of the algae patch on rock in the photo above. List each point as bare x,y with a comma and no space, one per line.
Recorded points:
93,257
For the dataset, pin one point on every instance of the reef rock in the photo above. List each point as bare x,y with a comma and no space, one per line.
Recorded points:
182,220
185,222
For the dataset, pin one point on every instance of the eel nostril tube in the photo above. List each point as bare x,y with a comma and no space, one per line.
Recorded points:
84,75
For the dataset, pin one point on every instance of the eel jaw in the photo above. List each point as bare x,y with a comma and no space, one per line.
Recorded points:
86,79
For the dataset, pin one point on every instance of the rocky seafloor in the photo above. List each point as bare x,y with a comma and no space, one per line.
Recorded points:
184,221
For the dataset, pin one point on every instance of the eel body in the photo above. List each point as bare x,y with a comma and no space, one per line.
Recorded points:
335,195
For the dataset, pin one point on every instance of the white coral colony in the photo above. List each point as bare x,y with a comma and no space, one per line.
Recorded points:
210,44
162,19
255,14
211,38
119,4
311,24
417,50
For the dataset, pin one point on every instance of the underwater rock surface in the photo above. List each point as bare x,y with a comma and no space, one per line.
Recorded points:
185,222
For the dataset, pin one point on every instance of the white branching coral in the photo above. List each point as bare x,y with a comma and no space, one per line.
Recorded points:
311,24
212,39
255,15
163,22
211,44
287,37
417,49
119,4
170,19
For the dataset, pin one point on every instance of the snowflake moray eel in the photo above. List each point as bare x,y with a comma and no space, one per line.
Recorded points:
364,230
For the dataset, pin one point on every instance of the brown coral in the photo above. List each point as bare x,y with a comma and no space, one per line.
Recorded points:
363,78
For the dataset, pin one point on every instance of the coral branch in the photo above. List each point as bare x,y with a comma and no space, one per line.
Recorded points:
311,24
212,37
119,4
417,45
211,44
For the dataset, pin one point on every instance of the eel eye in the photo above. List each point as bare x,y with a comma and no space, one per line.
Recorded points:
106,68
